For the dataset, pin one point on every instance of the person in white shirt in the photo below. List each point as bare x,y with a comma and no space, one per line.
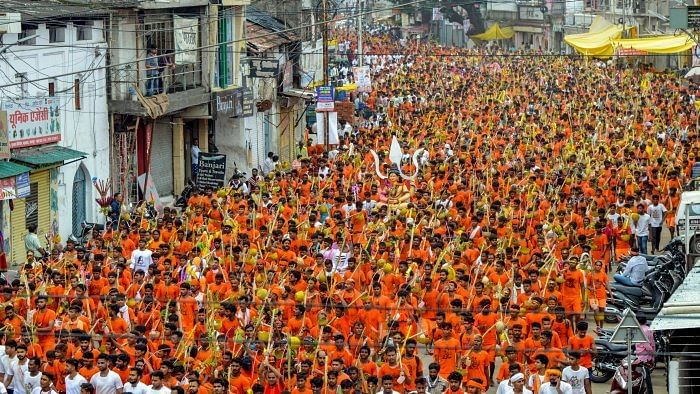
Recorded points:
32,379
576,375
555,384
517,384
14,377
156,386
45,385
105,380
141,258
195,158
640,227
134,385
657,212
73,378
506,386
8,356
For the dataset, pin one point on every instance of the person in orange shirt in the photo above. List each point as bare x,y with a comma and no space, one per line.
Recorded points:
391,367
598,285
584,344
572,290
44,319
447,350
478,366
485,322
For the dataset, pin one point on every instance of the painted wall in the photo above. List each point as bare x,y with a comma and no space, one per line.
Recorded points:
85,129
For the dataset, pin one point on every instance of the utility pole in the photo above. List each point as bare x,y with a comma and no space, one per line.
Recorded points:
359,34
324,17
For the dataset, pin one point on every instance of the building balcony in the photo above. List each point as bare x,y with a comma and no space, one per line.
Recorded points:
176,88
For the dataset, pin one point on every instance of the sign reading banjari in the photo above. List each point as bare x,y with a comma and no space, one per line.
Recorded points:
212,170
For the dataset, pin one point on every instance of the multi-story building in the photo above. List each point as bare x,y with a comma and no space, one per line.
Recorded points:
55,118
156,116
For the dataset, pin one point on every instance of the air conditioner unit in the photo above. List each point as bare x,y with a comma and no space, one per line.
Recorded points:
10,22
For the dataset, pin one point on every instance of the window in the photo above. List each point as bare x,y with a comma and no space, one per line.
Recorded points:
57,34
224,53
27,31
159,33
83,30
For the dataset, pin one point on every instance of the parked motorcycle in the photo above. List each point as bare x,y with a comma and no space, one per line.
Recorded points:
666,272
85,230
607,359
181,201
619,383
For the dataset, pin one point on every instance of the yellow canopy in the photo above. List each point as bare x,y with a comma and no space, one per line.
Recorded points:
659,44
597,42
347,88
495,33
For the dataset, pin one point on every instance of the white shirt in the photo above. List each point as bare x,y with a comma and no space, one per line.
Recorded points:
505,388
161,390
547,388
641,228
37,390
73,385
6,363
576,379
106,384
657,214
141,260
614,218
138,388
17,372
195,154
30,382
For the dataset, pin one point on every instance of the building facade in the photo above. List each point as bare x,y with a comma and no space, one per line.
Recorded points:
55,115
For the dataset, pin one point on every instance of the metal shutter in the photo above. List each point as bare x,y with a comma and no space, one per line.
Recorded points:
40,195
162,158
286,130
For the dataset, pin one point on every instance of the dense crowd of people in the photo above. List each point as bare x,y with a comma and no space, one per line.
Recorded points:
336,275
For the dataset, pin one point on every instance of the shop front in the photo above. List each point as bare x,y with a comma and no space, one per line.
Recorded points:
36,201
11,174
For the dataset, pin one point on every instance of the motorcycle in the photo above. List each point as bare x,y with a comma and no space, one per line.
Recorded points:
619,383
607,359
85,231
181,201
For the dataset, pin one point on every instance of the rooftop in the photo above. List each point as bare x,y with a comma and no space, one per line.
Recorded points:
682,309
44,10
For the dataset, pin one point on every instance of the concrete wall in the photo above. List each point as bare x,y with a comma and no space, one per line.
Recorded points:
86,129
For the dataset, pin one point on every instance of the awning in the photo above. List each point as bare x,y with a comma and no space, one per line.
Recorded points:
9,169
495,33
347,88
682,309
47,156
306,94
598,41
261,39
659,44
